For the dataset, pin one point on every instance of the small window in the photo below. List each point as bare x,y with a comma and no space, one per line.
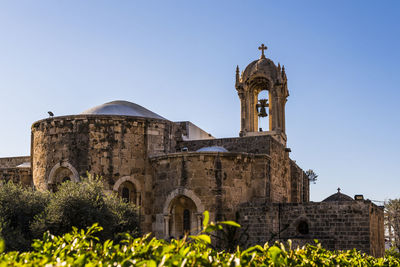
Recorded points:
302,228
186,221
66,178
125,194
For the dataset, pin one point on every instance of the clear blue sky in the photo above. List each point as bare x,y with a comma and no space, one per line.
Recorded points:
178,58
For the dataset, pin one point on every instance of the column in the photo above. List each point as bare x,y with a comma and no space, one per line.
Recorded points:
166,225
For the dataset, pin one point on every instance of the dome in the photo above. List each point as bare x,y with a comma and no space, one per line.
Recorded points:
122,108
338,197
212,149
262,67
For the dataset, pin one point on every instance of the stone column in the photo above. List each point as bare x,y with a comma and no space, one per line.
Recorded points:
166,225
199,222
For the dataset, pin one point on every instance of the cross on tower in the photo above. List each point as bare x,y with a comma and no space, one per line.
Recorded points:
262,48
338,190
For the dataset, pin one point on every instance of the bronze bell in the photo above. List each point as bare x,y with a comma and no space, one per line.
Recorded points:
262,112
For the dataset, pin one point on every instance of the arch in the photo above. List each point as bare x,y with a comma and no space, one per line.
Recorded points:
188,216
136,197
183,192
64,164
302,225
129,179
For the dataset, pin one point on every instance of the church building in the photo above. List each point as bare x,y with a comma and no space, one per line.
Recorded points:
174,171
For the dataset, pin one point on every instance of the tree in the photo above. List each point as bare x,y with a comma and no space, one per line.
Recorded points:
83,204
312,176
19,207
392,221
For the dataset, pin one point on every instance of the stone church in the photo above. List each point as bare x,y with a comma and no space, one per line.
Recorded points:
174,171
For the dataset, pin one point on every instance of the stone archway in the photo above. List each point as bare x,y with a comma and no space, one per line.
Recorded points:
62,172
129,189
182,213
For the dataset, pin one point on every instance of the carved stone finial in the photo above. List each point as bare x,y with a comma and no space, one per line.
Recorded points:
262,48
237,74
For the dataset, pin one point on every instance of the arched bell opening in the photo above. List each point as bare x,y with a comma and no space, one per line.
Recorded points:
183,217
262,109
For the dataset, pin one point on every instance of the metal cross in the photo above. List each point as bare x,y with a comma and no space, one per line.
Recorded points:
338,190
262,48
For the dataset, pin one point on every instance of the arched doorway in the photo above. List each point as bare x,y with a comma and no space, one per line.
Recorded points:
183,217
183,213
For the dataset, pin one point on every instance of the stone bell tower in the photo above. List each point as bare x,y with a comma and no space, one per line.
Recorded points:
262,75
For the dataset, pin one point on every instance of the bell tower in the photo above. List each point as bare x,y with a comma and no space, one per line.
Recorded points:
263,92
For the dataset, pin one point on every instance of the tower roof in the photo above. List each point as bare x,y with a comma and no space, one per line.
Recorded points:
338,197
122,108
264,67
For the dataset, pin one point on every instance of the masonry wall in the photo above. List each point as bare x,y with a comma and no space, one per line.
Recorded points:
220,180
377,231
252,144
16,175
337,225
11,162
110,146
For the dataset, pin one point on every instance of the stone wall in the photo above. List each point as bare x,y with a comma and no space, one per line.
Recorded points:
17,175
114,147
221,181
299,184
252,144
13,161
337,225
110,146
377,230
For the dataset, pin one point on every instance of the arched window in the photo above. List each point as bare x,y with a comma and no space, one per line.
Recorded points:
125,194
302,228
186,221
127,191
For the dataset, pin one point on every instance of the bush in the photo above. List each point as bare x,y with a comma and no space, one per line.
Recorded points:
83,204
18,208
83,248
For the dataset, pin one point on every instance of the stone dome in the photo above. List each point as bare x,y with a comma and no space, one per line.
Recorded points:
338,197
122,108
263,67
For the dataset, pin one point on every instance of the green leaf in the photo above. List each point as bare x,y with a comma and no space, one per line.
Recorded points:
2,245
206,218
274,252
231,223
205,238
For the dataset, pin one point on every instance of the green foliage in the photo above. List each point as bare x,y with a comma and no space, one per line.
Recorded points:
312,176
18,208
83,248
392,221
83,204
26,214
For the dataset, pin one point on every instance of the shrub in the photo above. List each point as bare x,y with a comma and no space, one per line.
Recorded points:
83,204
83,248
18,208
